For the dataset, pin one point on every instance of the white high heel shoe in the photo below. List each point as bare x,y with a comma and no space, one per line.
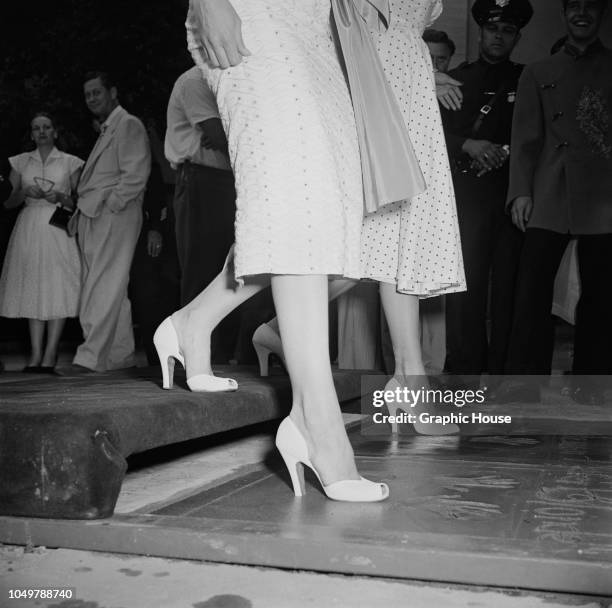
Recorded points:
168,349
421,428
292,446
266,342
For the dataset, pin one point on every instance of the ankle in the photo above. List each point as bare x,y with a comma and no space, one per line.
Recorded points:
184,323
180,319
324,432
408,369
49,359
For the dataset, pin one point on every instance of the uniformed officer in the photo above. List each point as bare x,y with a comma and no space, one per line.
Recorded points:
561,186
478,138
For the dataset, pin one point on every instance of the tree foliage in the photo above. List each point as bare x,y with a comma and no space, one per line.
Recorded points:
48,47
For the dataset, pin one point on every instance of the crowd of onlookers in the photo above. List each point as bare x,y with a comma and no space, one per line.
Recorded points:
531,151
91,233
531,155
79,234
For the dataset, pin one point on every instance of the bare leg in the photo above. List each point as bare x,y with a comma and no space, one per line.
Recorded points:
194,323
336,288
37,331
54,333
301,306
402,314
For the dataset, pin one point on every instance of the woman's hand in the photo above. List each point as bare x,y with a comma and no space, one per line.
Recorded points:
33,192
522,206
54,197
448,91
67,202
219,29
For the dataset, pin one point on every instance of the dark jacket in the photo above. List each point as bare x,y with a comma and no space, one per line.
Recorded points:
561,150
481,81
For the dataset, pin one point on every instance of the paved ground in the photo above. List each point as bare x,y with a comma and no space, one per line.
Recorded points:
101,580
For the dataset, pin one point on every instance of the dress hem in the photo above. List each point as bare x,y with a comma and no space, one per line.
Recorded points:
39,316
421,290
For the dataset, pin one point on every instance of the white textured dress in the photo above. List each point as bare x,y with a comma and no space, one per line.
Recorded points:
292,143
41,276
415,244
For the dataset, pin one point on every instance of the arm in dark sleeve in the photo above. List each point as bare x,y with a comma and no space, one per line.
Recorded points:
454,141
213,135
527,136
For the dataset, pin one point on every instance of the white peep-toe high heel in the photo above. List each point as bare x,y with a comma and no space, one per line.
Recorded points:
292,446
266,342
168,350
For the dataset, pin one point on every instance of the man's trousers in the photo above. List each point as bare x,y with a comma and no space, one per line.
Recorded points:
491,250
532,342
204,209
107,244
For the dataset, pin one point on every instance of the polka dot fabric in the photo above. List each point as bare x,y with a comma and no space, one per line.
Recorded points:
292,143
415,244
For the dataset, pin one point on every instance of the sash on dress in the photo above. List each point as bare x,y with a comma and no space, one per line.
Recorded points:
389,165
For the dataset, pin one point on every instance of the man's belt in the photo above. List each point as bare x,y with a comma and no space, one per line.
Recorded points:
389,165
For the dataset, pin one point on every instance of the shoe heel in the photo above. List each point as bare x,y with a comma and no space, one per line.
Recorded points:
393,409
166,345
167,368
263,356
296,472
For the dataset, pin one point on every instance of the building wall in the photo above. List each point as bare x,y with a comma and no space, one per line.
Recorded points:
455,22
544,29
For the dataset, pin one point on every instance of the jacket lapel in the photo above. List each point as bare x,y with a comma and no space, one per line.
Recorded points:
101,144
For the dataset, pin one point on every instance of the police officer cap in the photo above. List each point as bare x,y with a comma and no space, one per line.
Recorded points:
518,12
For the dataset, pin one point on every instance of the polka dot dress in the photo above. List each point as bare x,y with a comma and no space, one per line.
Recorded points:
292,142
415,244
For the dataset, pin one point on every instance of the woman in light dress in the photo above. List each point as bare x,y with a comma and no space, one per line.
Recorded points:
412,247
294,152
41,273
293,147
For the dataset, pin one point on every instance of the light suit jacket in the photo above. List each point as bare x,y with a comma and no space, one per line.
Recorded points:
116,172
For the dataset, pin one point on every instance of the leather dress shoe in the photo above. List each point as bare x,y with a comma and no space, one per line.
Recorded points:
47,369
73,370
